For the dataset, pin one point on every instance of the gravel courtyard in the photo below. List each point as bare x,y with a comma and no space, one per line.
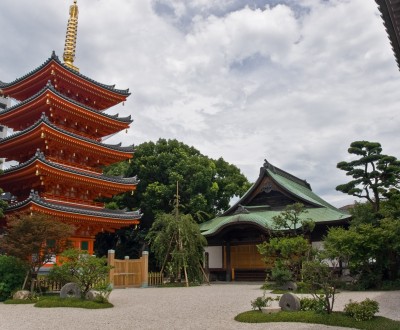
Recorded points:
203,307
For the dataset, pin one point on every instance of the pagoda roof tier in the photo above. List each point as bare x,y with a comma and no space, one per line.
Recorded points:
83,88
20,146
61,108
390,13
37,171
78,214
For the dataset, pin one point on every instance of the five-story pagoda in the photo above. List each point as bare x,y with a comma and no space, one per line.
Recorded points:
59,123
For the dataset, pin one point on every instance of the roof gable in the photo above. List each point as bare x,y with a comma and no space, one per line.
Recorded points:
268,197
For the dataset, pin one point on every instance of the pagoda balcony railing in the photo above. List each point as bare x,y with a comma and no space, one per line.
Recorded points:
77,166
79,132
71,200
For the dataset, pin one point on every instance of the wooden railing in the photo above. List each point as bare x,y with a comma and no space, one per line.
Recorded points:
42,284
156,279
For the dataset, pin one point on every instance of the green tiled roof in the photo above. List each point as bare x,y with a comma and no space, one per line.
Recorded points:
262,215
264,219
298,190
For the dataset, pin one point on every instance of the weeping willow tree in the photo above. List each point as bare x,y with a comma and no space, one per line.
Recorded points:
178,245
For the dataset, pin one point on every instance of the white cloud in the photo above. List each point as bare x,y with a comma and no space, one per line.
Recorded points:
295,82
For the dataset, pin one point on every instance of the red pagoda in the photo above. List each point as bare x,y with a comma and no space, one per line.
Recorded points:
59,122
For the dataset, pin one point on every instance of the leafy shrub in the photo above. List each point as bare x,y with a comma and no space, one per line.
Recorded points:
81,268
362,311
263,301
322,281
302,287
312,304
281,275
12,274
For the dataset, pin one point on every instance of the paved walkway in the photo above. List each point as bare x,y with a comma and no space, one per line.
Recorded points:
206,307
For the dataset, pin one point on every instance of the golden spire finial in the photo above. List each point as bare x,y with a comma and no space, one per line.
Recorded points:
70,39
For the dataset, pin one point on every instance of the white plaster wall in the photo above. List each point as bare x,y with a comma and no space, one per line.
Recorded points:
214,256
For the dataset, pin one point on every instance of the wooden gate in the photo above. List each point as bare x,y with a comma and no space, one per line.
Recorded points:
128,273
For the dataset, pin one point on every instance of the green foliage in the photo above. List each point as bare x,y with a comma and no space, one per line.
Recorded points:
319,277
264,301
177,244
56,301
373,173
207,185
12,274
285,253
82,268
127,241
281,274
312,304
3,204
103,290
369,251
337,319
292,218
28,237
362,311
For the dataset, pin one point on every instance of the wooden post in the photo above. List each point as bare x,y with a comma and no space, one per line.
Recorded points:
145,269
228,262
126,271
111,262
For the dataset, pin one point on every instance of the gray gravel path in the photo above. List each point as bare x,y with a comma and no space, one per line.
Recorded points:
205,307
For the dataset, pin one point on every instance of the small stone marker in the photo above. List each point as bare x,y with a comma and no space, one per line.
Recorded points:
70,290
92,295
290,286
22,295
289,302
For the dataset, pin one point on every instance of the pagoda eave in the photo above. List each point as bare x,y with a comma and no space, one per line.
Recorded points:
42,135
38,172
98,95
77,218
61,109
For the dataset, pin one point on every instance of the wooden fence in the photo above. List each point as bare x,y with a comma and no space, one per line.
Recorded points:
155,279
42,284
128,273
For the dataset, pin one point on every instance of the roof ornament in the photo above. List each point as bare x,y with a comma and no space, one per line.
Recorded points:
241,210
70,39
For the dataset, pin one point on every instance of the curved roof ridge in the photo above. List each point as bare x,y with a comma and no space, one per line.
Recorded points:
45,119
55,58
285,174
116,214
39,155
52,57
49,86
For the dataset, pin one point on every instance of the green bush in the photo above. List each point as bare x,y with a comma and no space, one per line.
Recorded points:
362,311
264,301
81,268
312,304
12,274
281,275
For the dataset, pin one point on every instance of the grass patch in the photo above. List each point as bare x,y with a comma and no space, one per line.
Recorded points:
53,301
334,319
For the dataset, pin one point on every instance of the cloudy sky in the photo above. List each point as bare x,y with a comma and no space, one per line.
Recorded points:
291,81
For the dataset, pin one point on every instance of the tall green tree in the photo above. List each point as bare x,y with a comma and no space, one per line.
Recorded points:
178,245
207,185
374,174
